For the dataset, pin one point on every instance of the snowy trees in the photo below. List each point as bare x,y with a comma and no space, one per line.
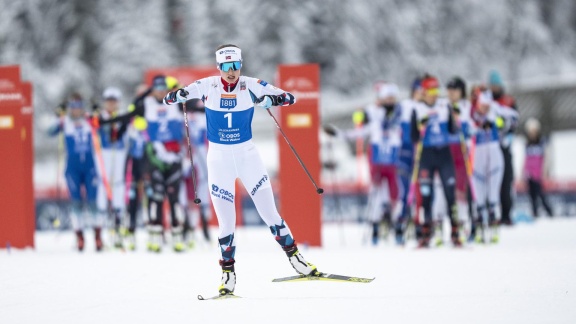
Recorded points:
87,45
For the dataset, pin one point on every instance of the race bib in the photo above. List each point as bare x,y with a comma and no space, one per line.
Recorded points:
227,101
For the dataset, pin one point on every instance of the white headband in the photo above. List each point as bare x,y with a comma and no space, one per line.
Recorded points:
228,54
485,98
388,90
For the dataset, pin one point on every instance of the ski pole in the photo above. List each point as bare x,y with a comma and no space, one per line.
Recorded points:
467,163
197,200
416,167
318,189
100,160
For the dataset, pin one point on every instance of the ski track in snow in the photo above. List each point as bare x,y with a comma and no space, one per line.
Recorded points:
530,277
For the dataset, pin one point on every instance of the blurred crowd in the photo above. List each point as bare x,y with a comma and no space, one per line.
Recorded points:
434,158
431,158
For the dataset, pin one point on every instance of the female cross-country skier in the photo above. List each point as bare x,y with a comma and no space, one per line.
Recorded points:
230,100
81,170
488,162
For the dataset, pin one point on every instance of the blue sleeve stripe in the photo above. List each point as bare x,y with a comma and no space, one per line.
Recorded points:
253,96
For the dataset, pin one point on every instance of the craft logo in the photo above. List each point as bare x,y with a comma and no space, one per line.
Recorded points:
259,184
242,85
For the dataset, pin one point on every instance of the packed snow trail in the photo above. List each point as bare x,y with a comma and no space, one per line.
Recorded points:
529,277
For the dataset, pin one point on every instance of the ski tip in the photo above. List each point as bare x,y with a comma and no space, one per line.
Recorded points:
218,297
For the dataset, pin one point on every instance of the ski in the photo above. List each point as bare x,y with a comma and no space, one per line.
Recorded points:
219,297
324,277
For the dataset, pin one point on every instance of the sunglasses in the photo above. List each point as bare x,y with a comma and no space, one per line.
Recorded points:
226,66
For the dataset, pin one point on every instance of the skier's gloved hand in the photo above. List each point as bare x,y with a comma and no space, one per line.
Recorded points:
330,130
268,101
424,121
455,109
264,102
60,110
487,125
181,95
178,96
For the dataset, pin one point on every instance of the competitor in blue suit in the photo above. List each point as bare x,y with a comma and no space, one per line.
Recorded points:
406,156
435,116
81,169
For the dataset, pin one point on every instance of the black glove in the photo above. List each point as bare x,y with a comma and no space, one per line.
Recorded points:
487,125
178,96
330,130
456,110
276,100
60,110
424,121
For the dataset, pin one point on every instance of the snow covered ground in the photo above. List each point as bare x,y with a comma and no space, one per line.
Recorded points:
530,277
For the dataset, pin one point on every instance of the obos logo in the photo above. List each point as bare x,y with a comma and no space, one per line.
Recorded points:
222,194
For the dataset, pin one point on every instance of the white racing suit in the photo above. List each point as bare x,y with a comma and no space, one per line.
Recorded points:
232,155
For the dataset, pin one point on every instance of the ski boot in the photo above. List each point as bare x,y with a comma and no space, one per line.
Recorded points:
494,237
228,282
178,240
80,241
98,239
399,234
130,240
439,234
298,263
479,235
386,224
188,236
472,234
426,234
116,238
492,224
155,238
375,233
455,237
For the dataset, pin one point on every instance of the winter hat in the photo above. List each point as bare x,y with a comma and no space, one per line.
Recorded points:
386,90
431,85
457,83
228,54
159,82
495,79
485,98
112,93
532,125
172,83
